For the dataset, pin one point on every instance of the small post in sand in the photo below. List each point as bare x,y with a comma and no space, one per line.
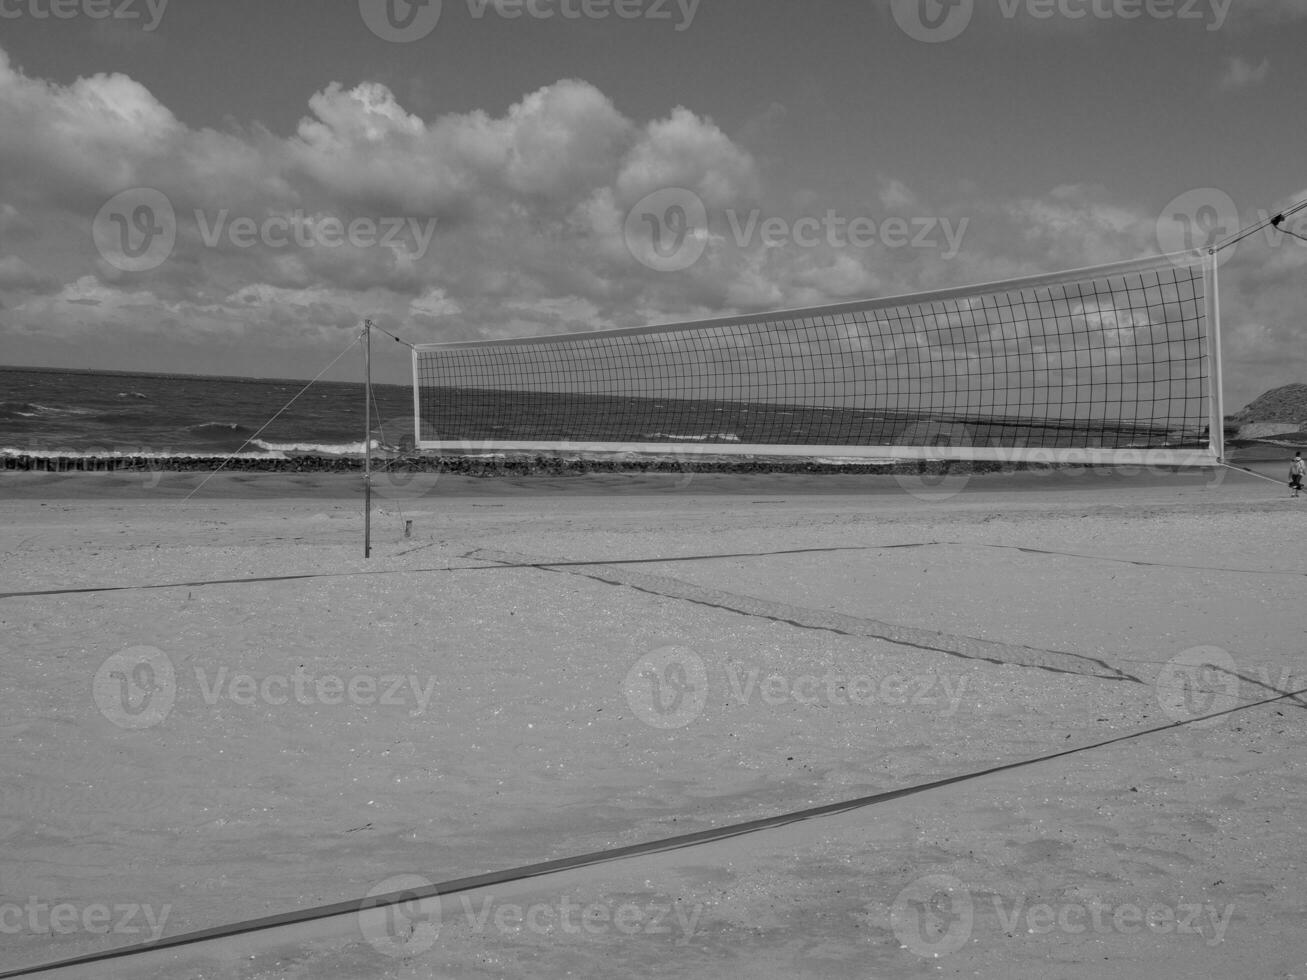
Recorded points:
367,439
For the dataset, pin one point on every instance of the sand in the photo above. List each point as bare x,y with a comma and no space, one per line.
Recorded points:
491,714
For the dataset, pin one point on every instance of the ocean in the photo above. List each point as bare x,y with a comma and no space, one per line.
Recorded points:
80,413
96,413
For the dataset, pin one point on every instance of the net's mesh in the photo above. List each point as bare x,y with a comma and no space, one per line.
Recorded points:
1113,358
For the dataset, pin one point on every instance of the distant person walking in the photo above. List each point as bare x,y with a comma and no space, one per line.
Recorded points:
1297,469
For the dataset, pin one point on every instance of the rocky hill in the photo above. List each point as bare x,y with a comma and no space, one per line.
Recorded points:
1278,412
1287,404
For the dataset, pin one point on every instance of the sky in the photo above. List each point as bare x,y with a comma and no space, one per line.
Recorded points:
233,187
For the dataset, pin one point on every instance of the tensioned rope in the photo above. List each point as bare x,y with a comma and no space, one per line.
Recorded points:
1274,221
398,340
664,845
280,411
1244,469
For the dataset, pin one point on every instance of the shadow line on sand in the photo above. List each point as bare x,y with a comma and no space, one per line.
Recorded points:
953,644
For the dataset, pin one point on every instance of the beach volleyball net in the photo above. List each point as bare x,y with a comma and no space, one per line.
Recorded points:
1114,364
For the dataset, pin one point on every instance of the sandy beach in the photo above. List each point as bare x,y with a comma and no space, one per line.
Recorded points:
241,716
